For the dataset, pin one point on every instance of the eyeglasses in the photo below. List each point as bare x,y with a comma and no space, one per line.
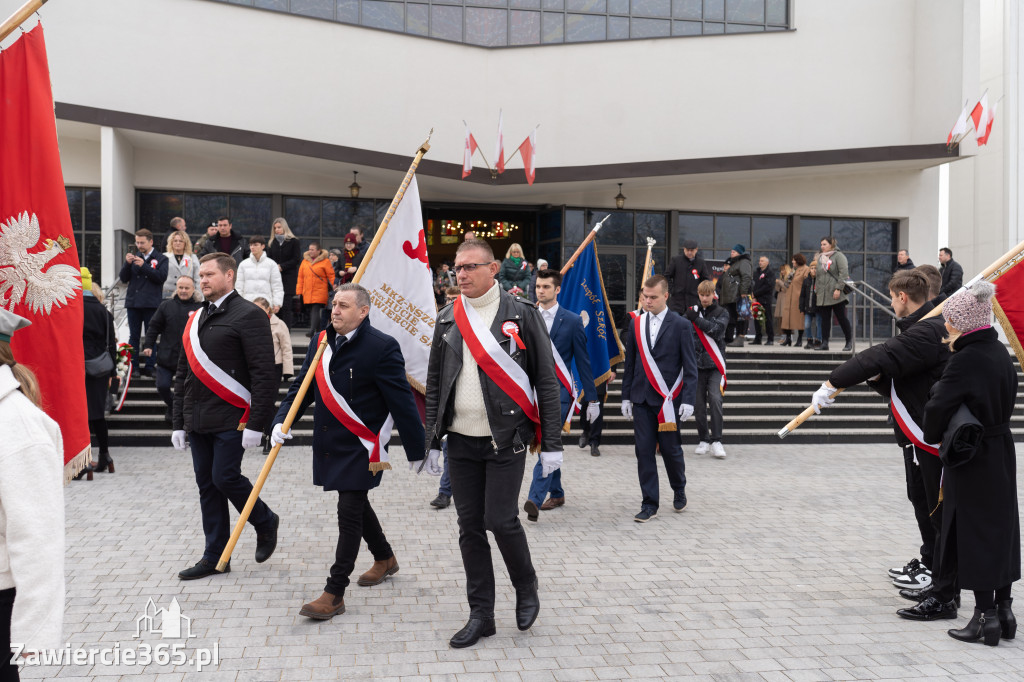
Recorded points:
469,267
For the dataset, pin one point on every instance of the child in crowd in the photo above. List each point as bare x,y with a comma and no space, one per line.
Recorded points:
283,365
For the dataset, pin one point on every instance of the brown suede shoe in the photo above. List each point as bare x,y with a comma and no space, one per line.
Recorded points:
326,606
378,572
551,503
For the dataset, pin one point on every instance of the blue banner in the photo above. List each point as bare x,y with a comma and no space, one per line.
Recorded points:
583,293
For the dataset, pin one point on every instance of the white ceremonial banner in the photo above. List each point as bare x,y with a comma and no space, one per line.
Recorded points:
400,283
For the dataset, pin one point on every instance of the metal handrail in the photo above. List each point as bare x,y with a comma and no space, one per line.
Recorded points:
859,287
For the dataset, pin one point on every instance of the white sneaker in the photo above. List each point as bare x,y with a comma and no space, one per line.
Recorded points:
717,450
702,448
917,579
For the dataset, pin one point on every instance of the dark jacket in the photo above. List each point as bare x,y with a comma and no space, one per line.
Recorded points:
509,426
808,301
738,279
168,323
673,351
369,372
763,287
913,361
512,275
145,282
361,249
712,321
98,336
288,255
570,340
909,265
683,277
237,339
239,247
979,497
952,277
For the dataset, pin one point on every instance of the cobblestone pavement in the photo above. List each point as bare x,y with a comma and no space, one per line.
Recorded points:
775,571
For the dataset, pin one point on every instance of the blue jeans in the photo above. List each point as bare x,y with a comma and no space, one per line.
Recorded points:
540,487
445,487
137,317
811,322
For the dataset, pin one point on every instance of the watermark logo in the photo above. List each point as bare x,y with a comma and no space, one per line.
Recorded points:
169,623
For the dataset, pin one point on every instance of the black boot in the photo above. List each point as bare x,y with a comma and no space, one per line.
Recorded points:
984,625
799,338
810,343
106,463
789,340
527,605
821,346
1006,620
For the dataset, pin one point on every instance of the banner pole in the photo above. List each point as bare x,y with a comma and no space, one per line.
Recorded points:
19,17
579,249
646,270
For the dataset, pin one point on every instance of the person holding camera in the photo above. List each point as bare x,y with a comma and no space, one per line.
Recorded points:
144,271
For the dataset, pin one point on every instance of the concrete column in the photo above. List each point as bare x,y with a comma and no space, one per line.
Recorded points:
117,198
1009,116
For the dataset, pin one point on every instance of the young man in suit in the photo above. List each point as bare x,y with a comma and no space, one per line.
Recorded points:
570,342
658,391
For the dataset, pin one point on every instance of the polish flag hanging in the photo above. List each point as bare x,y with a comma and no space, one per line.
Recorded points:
528,150
986,130
467,154
978,113
499,150
959,129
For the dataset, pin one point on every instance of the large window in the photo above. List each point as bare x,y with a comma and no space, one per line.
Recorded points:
250,213
328,219
718,234
502,23
84,205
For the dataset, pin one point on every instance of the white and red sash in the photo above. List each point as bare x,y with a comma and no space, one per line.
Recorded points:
565,377
495,362
716,354
375,444
213,377
667,414
907,425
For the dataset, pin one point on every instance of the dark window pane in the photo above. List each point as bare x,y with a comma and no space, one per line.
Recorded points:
619,228
686,9
156,211
711,29
849,234
250,215
554,4
202,210
856,261
525,28
618,28
387,15
303,216
417,18
322,9
880,269
776,12
92,211
750,11
651,225
446,22
574,228
341,215
551,27
652,8
732,230
75,208
881,235
486,26
281,5
700,228
687,28
581,27
811,232
550,253
714,10
649,28
614,272
489,3
550,226
348,11
586,6
90,255
743,28
770,233
524,4
620,316
618,6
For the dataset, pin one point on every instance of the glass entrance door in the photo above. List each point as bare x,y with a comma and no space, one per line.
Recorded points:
617,268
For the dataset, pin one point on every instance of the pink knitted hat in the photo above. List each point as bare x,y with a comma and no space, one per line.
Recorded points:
971,309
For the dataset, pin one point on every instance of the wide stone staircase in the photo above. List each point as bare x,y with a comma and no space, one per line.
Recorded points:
768,386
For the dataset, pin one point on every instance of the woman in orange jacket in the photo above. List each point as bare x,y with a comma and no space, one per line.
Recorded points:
316,277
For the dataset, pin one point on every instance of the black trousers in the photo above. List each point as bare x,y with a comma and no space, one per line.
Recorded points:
485,488
645,428
919,499
315,310
99,427
709,399
944,580
769,323
825,313
730,329
592,432
8,672
356,522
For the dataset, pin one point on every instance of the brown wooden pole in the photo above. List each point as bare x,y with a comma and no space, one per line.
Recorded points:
19,17
579,249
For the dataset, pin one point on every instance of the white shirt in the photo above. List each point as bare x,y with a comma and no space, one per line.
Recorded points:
549,315
656,321
221,299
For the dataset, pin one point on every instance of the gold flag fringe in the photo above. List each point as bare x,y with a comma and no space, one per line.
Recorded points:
77,464
377,467
667,426
1011,335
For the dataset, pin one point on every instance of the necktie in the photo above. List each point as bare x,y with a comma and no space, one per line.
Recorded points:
650,341
339,342
212,309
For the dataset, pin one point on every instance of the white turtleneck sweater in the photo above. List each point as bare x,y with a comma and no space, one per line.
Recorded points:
470,417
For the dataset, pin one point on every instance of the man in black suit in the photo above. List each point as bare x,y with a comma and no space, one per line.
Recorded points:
659,387
764,293
952,273
684,275
144,271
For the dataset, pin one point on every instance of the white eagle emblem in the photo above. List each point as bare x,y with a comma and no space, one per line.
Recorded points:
21,272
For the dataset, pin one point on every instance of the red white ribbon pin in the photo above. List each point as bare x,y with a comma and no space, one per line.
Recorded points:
511,330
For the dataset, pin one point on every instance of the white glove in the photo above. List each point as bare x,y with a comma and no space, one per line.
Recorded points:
251,439
627,409
550,462
685,412
431,464
278,436
593,411
823,397
178,439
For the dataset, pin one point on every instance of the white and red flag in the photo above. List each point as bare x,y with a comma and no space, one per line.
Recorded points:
983,124
959,129
39,265
528,150
499,149
467,154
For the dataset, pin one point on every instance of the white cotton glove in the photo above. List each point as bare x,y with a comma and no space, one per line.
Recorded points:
593,411
431,464
278,436
685,412
627,409
823,397
251,439
550,462
178,439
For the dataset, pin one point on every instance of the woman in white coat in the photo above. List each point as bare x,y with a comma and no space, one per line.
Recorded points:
181,262
31,510
258,276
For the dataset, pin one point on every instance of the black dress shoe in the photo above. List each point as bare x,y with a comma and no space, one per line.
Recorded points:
755,342
532,512
266,542
201,570
583,441
441,501
471,634
595,451
930,609
920,595
848,347
527,605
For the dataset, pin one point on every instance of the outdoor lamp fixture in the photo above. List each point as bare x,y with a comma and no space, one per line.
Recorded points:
354,188
620,200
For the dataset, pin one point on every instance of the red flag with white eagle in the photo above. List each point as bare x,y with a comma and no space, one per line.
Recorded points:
499,149
528,150
467,154
39,266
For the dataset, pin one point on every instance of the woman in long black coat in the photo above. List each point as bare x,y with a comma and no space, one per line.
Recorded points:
285,250
980,541
98,336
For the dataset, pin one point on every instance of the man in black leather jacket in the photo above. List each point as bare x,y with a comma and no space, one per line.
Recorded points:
489,431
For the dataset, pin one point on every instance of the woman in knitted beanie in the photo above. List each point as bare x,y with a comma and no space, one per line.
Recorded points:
980,541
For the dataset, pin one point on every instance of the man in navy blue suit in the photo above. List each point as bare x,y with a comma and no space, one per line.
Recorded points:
360,390
566,331
144,271
658,391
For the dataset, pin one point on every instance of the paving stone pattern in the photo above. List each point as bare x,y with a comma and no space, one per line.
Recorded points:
775,572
